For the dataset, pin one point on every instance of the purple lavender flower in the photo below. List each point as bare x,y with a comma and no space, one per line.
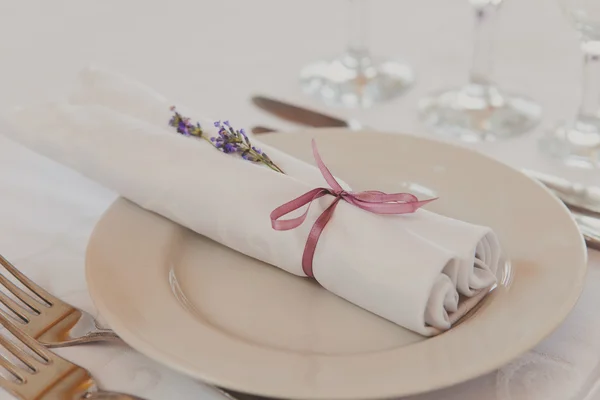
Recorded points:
257,150
229,140
183,125
183,128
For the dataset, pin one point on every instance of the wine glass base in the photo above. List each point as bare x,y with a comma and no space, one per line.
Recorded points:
356,82
478,113
575,144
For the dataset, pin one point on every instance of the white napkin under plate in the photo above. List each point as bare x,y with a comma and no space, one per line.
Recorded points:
409,269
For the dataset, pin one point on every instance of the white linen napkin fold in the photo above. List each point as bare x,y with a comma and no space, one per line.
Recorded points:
408,269
95,86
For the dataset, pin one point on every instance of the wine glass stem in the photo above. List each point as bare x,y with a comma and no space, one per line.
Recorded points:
481,67
590,92
357,28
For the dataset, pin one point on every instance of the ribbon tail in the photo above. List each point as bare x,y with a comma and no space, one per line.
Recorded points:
391,208
290,206
313,238
374,196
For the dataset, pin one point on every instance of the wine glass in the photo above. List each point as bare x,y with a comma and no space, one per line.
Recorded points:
355,78
577,141
480,110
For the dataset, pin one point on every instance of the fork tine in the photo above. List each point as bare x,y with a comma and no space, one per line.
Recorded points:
40,292
27,340
20,294
28,360
14,307
11,318
10,386
10,367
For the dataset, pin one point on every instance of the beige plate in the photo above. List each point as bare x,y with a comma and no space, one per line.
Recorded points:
227,319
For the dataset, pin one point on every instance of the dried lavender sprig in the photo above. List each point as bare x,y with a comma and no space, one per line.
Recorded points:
229,140
185,127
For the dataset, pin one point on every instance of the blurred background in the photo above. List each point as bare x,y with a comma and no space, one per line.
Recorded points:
213,55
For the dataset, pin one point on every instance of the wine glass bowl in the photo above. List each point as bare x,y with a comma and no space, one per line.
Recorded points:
480,110
477,112
356,78
584,15
576,141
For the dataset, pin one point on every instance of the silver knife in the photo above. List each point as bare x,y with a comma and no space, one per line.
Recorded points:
589,228
583,201
302,115
584,198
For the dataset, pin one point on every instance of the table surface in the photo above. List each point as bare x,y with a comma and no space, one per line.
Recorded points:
213,55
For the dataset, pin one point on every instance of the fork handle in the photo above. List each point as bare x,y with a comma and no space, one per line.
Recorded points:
103,395
101,334
94,336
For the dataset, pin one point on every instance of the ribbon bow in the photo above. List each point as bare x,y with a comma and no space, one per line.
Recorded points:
373,201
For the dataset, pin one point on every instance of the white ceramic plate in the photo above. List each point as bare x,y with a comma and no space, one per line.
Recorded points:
232,321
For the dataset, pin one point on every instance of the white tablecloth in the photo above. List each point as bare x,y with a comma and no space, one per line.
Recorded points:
213,55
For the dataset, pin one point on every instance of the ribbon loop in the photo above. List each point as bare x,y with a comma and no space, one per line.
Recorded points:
372,201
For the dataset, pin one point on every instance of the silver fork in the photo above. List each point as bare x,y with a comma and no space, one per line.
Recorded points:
47,376
51,321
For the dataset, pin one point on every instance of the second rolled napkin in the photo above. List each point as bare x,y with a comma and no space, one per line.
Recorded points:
408,269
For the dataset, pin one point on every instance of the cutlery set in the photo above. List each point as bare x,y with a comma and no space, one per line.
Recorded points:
47,319
582,201
39,324
41,374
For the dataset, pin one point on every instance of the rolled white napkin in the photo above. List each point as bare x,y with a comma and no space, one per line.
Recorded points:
408,269
95,86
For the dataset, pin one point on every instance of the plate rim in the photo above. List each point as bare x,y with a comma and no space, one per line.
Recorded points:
158,355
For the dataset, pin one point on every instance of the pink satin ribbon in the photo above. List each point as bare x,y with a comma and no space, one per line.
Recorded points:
372,201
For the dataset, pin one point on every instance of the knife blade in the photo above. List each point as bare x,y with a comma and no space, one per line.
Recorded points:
261,129
299,115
